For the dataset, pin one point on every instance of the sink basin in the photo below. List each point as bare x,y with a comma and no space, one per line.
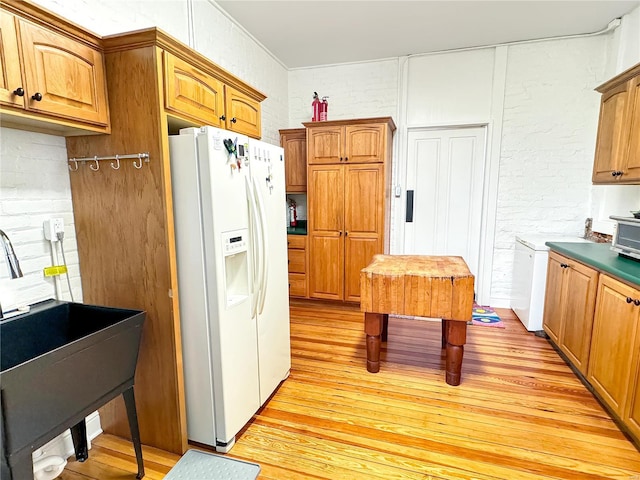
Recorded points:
58,363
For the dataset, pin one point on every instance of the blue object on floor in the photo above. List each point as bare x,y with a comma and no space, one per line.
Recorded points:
197,465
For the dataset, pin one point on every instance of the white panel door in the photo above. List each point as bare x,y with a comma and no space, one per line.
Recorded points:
445,170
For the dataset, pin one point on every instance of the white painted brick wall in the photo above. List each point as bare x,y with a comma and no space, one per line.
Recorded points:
357,90
549,131
34,186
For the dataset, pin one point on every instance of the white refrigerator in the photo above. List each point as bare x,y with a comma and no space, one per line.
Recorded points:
231,249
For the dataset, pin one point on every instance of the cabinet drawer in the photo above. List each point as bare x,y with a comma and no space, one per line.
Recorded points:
297,285
297,241
297,261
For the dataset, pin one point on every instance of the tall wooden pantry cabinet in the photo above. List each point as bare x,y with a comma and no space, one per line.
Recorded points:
348,195
124,212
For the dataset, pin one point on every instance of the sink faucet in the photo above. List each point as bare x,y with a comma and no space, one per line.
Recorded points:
12,261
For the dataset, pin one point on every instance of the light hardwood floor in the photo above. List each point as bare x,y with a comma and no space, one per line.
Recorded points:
519,413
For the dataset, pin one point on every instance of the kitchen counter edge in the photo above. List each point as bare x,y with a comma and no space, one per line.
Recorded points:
600,257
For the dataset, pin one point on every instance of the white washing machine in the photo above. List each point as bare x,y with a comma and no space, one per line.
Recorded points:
530,277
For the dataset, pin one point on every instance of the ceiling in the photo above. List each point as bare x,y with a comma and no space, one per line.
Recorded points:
303,33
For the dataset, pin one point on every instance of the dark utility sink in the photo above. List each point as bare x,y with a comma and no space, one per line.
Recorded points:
58,363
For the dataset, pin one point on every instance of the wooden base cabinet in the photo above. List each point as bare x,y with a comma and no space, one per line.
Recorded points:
617,158
297,258
615,344
348,203
569,305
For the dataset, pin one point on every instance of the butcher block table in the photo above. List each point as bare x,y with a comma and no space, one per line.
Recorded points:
421,286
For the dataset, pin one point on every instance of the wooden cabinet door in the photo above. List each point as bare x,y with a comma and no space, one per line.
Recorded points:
294,143
69,76
10,74
632,171
363,222
553,300
192,93
612,135
242,113
632,415
325,233
577,316
364,143
324,145
615,328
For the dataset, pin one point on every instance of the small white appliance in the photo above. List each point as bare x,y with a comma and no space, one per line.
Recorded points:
626,237
530,277
231,246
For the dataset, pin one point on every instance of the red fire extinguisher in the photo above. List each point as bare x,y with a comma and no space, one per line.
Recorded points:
315,105
324,108
293,214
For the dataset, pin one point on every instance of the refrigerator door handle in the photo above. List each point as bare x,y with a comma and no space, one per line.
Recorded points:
253,226
264,247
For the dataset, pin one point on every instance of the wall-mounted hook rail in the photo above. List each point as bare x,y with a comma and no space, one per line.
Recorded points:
138,160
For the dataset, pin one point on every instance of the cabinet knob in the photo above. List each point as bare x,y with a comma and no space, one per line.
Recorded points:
340,233
346,159
36,96
223,118
619,173
346,233
614,174
233,120
19,92
629,299
564,265
636,302
340,158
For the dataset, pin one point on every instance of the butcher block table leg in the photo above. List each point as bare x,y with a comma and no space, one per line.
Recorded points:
418,286
456,335
373,329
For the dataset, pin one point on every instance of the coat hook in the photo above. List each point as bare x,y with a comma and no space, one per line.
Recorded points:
135,164
97,167
117,166
76,164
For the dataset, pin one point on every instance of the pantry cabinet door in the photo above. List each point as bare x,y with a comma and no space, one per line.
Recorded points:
326,229
363,222
364,143
324,145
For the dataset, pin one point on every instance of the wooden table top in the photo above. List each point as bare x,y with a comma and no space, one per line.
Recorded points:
418,285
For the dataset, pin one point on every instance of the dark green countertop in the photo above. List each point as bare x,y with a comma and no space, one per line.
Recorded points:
600,256
299,229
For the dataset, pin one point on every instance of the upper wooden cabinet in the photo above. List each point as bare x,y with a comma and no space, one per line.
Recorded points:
199,94
569,305
294,142
191,92
52,73
341,141
617,158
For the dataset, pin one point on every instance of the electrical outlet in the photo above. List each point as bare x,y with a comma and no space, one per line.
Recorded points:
52,227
